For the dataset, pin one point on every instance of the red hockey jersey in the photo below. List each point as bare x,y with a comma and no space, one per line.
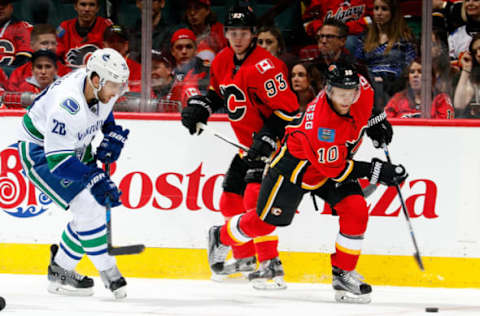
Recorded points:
256,90
354,13
327,140
74,49
14,41
399,107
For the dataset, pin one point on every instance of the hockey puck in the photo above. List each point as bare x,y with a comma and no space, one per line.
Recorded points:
2,303
431,309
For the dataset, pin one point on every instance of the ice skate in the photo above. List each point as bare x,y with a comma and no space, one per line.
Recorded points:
269,276
349,287
115,282
217,252
66,282
232,266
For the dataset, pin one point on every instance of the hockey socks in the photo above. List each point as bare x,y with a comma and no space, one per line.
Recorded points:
70,251
242,228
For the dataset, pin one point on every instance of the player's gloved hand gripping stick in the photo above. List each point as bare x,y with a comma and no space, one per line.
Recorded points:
208,129
416,254
123,250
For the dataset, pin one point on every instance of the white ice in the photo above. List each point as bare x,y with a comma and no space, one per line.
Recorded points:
27,295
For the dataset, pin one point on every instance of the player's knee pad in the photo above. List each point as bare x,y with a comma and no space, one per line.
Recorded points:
250,196
353,213
253,226
231,204
234,177
86,212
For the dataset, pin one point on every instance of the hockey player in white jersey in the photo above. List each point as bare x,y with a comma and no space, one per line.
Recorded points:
56,154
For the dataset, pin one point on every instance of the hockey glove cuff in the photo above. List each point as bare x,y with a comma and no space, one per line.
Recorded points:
386,173
379,130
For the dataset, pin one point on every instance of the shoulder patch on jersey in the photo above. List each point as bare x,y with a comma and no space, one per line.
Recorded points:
326,134
264,65
70,105
60,31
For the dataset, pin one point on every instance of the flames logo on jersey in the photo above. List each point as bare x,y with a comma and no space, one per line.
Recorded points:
7,52
18,196
78,56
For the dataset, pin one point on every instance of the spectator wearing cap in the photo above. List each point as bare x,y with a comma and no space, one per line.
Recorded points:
161,30
79,37
208,31
43,36
162,74
190,72
44,72
116,37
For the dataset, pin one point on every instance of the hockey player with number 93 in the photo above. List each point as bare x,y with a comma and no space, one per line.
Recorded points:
316,156
56,154
253,86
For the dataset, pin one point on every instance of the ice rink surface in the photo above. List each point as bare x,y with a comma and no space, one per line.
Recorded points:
27,295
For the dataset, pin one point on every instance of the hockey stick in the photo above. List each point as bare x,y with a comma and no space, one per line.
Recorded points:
416,254
117,251
208,129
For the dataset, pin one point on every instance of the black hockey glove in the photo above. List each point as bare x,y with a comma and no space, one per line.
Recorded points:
101,187
198,110
255,172
263,145
379,130
386,173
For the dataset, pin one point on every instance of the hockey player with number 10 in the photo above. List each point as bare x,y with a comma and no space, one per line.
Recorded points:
56,154
317,156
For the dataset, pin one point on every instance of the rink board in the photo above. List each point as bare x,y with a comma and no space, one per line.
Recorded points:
171,183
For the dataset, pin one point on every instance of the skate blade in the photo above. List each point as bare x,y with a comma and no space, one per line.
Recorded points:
120,293
350,298
67,290
229,278
277,283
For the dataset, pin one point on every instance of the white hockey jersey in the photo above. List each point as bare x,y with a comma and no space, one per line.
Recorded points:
61,121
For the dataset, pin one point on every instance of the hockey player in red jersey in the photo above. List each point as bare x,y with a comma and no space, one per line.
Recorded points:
316,156
78,38
253,86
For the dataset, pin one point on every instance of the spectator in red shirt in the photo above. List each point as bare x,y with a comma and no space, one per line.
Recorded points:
407,103
43,36
116,37
79,37
14,37
44,70
208,31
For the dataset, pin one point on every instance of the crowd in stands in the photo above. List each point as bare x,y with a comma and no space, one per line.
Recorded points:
381,37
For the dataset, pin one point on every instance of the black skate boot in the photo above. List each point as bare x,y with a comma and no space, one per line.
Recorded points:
115,282
217,252
269,276
66,282
349,287
232,266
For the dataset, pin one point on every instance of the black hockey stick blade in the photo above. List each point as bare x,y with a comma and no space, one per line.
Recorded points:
418,258
126,250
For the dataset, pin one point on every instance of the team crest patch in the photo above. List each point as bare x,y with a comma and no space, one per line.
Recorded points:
70,105
276,211
326,134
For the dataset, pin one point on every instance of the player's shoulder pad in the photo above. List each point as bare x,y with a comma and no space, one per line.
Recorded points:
70,105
